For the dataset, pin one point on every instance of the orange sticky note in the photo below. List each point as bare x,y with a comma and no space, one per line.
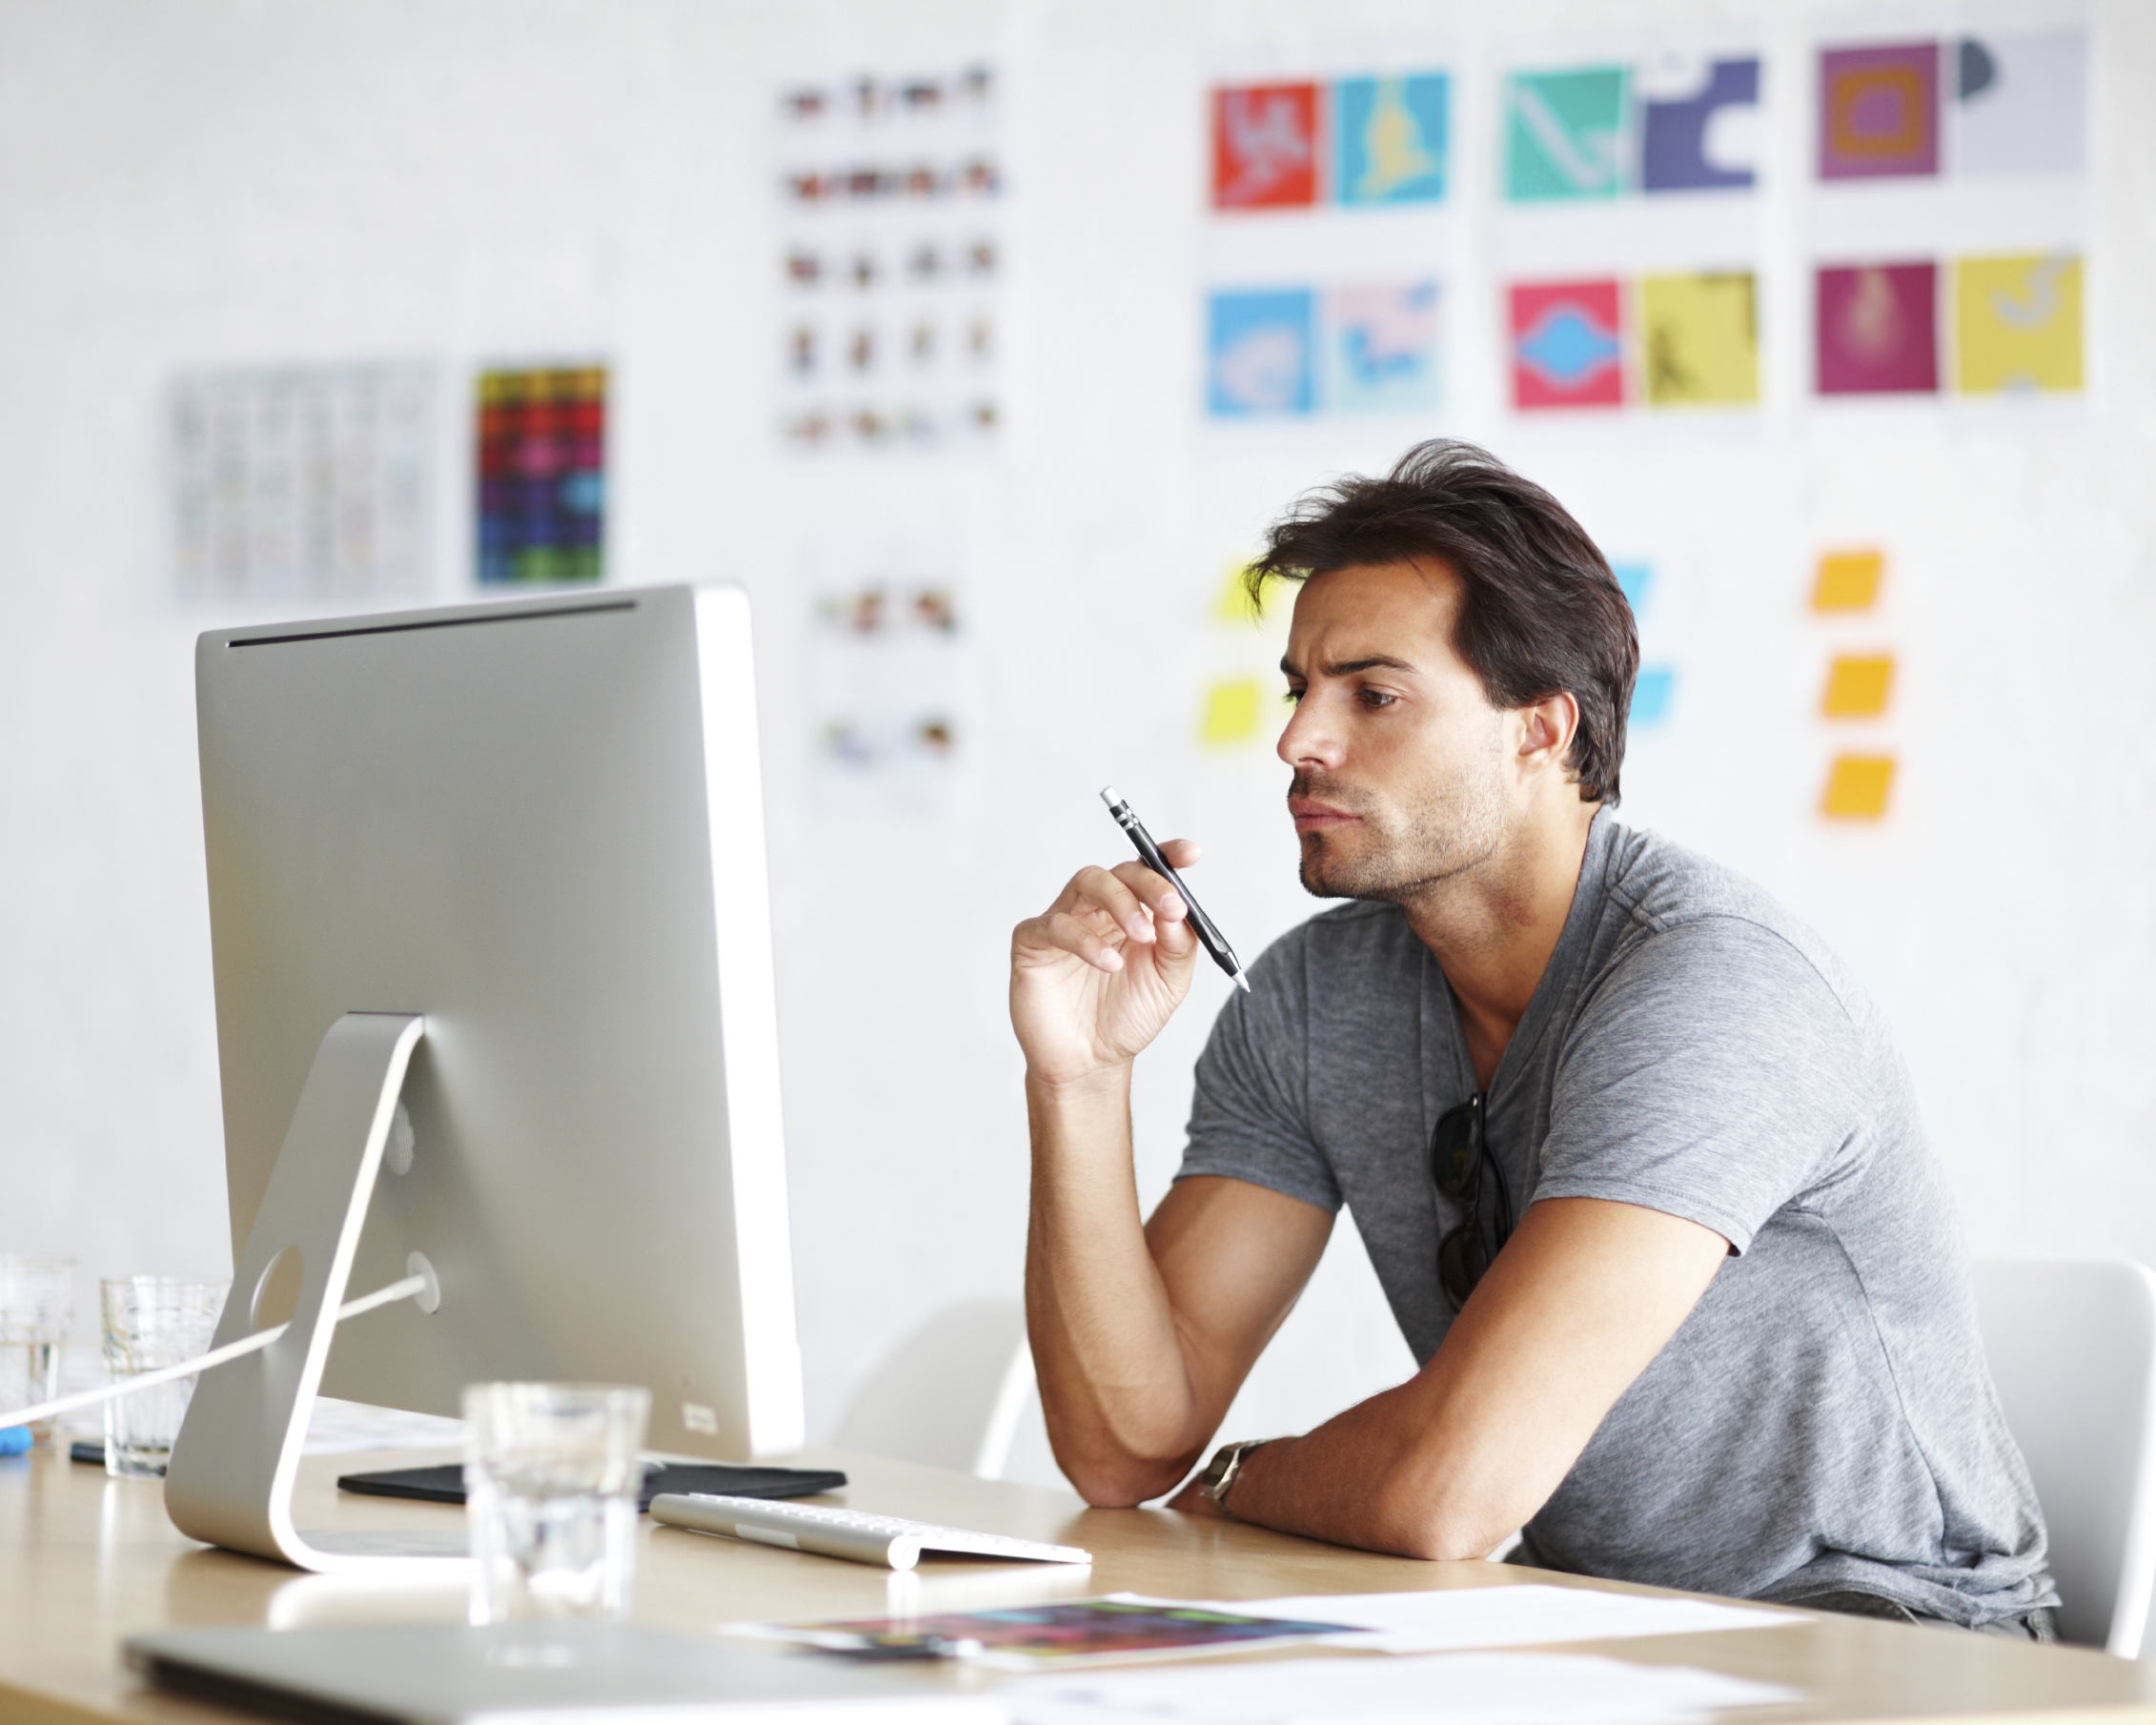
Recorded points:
1848,580
1856,787
1858,686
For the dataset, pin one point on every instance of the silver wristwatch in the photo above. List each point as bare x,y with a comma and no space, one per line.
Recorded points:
1219,1476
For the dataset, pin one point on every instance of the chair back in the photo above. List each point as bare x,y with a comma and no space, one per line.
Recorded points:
2072,1346
950,1394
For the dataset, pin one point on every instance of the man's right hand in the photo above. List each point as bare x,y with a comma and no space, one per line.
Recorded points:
1094,978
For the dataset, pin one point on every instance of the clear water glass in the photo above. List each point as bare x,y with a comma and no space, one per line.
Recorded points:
551,1473
151,1322
37,1307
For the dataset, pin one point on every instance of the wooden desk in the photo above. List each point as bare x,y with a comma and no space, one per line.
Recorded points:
84,1561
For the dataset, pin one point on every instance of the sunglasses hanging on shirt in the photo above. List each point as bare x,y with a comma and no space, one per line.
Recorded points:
1462,1166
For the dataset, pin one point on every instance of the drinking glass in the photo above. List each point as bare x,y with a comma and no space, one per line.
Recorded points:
551,1474
37,1305
150,1321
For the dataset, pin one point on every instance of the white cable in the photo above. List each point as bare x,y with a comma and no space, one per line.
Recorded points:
409,1289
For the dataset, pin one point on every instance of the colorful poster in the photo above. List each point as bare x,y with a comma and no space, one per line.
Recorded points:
1973,105
1568,345
2018,323
1392,138
891,203
542,475
2020,104
1699,338
1264,142
1877,328
1383,345
302,482
1700,124
1878,111
1565,135
1259,353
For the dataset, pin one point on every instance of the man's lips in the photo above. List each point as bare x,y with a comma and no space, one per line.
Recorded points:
1314,817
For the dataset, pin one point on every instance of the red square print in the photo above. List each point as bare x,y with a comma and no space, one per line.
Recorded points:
1568,345
1264,146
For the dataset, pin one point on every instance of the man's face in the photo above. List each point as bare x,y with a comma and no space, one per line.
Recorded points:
1400,762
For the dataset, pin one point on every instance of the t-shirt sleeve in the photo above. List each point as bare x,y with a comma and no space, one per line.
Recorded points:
1712,1078
1248,1116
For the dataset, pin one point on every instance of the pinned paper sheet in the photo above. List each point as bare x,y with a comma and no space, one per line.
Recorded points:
1526,1616
1858,686
1856,787
1847,580
1459,1688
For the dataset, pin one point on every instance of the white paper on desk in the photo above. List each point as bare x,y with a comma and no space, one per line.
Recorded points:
1443,1619
1450,1689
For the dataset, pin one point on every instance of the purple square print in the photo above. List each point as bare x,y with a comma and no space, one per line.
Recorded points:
1878,329
1878,111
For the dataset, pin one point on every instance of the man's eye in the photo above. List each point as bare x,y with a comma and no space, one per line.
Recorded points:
1293,696
1376,699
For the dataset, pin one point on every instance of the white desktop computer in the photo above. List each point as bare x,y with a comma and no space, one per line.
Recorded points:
493,990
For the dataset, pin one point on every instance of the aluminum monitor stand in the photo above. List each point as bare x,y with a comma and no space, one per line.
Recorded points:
232,1467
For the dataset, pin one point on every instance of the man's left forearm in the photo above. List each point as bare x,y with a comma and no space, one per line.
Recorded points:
1461,1455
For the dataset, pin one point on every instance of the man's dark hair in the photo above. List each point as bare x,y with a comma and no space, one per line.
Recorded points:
1539,609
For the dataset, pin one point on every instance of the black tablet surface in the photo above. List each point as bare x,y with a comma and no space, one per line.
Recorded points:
445,1483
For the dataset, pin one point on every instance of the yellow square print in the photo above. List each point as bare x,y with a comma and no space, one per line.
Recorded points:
2017,323
1847,580
1700,339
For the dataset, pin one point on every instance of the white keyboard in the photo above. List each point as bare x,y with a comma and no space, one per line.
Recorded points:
889,1541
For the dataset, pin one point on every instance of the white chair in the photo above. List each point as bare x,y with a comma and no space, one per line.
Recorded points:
951,1393
2072,1347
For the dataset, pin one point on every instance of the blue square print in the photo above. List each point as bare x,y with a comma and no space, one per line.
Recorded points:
1258,353
1390,147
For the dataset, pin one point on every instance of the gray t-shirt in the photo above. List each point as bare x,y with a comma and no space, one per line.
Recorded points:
1824,1419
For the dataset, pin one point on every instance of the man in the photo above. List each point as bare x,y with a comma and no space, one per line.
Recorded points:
1634,1157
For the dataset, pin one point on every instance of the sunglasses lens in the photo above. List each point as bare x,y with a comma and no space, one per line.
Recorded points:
1461,1264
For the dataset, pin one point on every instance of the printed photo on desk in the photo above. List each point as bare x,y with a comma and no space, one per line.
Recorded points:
1042,1637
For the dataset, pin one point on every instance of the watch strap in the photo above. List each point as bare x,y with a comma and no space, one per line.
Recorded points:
1219,1478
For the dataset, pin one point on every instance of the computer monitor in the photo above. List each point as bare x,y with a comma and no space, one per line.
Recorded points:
539,826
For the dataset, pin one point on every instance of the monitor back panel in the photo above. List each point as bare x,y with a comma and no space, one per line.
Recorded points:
540,826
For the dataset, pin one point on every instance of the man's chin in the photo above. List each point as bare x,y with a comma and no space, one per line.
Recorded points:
1328,876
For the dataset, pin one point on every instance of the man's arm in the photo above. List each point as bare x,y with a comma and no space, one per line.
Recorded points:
1581,1300
1141,1334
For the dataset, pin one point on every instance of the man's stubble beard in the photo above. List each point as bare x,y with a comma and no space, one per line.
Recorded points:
1404,852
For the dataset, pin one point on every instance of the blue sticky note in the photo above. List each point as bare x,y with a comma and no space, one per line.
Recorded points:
1651,693
14,1440
1636,580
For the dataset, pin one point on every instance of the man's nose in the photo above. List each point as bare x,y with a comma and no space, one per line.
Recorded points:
1309,738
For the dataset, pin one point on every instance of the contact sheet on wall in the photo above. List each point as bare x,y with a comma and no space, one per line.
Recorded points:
891,190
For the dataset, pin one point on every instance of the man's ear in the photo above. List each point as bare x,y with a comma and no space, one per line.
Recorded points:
1547,728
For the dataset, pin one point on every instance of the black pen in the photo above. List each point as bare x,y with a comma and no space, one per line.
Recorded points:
1201,924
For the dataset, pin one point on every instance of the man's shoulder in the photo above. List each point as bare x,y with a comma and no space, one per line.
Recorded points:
1663,897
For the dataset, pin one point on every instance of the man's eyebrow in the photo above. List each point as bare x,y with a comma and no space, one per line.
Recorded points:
1376,661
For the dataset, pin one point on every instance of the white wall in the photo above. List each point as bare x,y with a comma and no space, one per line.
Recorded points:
208,181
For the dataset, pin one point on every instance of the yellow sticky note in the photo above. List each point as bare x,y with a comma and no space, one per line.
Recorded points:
1847,580
2017,323
1230,711
1858,686
1701,338
1233,604
1856,787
